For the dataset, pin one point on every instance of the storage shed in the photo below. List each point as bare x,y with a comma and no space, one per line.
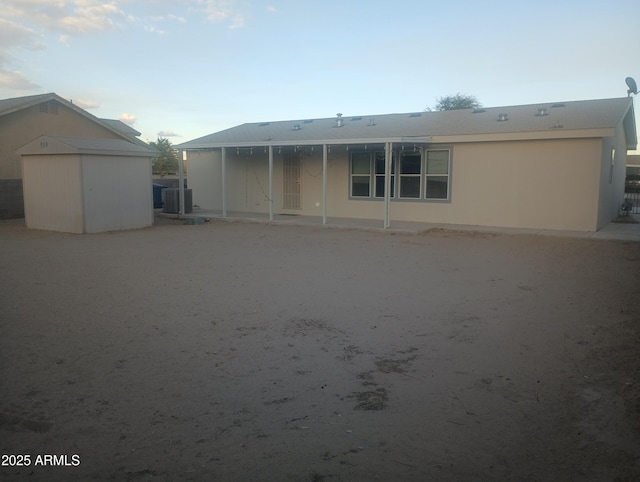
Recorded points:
80,185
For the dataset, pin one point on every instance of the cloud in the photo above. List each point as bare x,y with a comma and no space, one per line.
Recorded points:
86,104
70,17
272,9
152,29
168,133
128,119
24,21
15,80
15,37
176,18
223,10
217,9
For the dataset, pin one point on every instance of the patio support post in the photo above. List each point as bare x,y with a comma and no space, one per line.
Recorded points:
388,150
223,165
324,184
183,154
270,183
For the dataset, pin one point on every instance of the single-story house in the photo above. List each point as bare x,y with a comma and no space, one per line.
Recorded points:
23,119
81,185
547,166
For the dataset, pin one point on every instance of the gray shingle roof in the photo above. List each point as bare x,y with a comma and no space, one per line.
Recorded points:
121,127
17,103
79,145
542,119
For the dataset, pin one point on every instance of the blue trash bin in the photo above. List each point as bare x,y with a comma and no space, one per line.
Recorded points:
157,195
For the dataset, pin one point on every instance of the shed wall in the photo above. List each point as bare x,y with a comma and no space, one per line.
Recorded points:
118,193
52,193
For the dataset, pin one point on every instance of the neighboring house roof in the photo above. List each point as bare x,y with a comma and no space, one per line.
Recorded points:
8,106
81,145
589,118
122,127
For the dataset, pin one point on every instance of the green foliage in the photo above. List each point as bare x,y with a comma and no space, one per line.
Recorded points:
167,162
455,102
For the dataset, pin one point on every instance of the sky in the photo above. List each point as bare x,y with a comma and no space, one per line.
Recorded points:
182,69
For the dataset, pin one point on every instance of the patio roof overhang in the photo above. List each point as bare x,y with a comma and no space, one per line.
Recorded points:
313,142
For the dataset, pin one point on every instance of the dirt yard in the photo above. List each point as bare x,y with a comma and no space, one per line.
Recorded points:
237,352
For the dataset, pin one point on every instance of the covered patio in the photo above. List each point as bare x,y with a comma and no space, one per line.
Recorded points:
390,146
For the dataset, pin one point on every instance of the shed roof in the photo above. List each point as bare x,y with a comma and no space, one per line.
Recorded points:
78,145
588,118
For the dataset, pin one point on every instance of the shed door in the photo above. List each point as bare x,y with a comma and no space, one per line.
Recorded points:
291,180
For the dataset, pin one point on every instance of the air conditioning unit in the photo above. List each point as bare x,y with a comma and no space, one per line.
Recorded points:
171,200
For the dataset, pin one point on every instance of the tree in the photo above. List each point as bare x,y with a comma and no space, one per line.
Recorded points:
167,162
455,102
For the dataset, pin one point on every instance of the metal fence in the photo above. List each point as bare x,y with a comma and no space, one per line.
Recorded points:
632,199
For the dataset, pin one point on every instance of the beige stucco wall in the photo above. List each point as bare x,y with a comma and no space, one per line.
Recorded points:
205,178
543,184
52,193
21,127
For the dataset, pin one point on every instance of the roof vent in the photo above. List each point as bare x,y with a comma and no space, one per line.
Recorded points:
372,122
478,110
557,125
542,111
296,127
559,104
262,124
308,121
503,116
339,121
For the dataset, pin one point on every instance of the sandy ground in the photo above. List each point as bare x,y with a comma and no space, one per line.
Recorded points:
236,352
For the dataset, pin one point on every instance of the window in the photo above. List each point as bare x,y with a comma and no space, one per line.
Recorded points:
420,174
367,173
361,174
379,173
437,175
410,174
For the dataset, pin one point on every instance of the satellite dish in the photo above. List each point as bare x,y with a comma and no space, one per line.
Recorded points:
633,87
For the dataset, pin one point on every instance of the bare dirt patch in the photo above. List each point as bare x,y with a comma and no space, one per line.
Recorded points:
243,351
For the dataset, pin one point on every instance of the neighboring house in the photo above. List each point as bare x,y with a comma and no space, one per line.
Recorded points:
23,119
546,166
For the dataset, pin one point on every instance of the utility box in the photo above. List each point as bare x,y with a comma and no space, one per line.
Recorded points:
171,200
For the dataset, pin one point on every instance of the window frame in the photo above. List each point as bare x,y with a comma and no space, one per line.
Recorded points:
382,175
397,176
410,175
428,175
353,175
